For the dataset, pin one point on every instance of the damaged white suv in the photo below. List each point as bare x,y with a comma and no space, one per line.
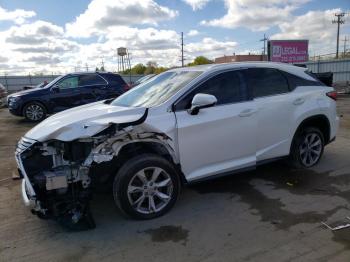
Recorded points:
184,125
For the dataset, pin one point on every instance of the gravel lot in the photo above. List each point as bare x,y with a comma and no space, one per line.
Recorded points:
271,214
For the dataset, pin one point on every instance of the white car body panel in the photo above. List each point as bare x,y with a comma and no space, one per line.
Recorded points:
273,121
218,139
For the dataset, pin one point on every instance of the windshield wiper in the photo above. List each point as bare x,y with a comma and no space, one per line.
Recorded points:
108,101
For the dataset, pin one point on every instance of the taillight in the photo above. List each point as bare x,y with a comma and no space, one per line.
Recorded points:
333,95
126,87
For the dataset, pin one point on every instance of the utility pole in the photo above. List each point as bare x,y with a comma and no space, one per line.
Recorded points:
338,21
182,49
129,64
264,48
345,40
103,64
87,67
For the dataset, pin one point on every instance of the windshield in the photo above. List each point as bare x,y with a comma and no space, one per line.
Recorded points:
142,79
41,85
157,90
145,78
53,82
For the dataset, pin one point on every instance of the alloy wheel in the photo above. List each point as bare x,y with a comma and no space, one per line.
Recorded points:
34,112
150,190
310,149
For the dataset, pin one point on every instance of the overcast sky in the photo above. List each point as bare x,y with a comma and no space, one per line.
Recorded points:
55,36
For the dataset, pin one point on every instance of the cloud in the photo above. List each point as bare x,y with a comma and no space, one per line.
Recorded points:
196,4
316,26
257,15
34,33
43,60
147,38
44,46
60,47
144,45
210,48
17,16
102,15
3,59
35,46
193,33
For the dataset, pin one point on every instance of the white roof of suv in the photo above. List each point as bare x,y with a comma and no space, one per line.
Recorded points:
295,70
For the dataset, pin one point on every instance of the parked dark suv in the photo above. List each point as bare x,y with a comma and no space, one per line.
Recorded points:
65,92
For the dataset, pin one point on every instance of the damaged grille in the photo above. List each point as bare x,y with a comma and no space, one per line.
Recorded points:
24,144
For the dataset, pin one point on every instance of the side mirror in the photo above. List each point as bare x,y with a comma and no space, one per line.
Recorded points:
200,101
55,89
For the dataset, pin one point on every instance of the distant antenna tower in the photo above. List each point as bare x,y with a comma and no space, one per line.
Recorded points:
123,59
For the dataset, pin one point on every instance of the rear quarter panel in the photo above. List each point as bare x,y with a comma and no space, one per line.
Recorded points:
316,103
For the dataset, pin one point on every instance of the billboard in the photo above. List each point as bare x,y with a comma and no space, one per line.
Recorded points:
288,51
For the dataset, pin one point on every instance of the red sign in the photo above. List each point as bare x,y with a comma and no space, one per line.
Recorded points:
289,51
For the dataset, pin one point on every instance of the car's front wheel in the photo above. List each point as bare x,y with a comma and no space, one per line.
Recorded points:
34,112
307,148
146,186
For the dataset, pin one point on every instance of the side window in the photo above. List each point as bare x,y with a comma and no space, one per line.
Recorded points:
295,81
227,87
91,80
266,82
69,82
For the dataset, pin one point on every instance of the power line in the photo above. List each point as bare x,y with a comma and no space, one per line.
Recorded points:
338,21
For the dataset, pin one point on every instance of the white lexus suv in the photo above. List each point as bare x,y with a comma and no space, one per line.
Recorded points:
184,125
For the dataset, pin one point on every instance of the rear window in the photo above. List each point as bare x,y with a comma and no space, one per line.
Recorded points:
91,80
114,80
295,81
314,76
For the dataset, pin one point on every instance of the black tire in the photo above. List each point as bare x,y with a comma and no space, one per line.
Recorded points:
34,111
127,175
297,156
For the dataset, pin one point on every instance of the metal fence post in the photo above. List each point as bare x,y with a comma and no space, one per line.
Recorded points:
6,84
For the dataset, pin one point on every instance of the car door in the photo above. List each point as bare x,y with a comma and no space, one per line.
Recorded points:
220,138
92,88
65,94
275,108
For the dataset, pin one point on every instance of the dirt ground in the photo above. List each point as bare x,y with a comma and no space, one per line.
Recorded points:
271,214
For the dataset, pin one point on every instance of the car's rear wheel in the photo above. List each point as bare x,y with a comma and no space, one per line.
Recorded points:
34,112
307,148
146,186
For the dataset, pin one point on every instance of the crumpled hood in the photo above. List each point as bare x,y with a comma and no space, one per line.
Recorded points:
83,121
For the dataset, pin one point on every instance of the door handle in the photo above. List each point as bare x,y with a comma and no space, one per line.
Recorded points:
299,101
247,112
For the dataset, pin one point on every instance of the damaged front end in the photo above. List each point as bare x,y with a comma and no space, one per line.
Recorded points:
60,176
56,184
